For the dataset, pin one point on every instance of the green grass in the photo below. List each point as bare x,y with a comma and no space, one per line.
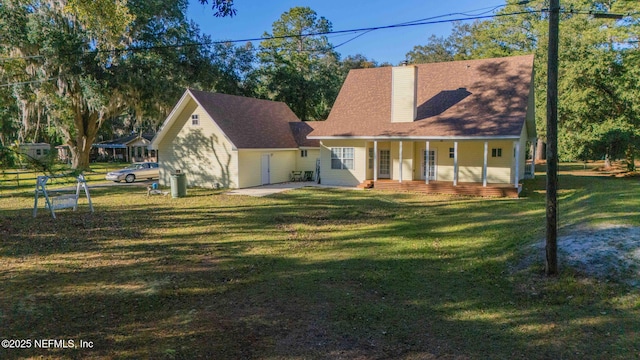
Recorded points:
313,273
17,180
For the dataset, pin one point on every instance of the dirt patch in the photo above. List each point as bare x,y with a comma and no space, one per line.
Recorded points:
608,252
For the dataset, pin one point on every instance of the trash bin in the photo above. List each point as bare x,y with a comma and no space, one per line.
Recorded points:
178,184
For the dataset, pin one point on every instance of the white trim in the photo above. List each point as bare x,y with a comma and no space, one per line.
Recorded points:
516,175
455,163
400,162
410,138
375,160
308,148
426,171
170,119
484,165
389,165
268,149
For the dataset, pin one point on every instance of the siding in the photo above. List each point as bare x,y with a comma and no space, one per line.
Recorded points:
281,164
202,152
404,94
407,160
307,163
343,177
470,161
499,168
250,168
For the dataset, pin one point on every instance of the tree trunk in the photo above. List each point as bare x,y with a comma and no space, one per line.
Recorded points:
630,157
86,125
540,150
80,152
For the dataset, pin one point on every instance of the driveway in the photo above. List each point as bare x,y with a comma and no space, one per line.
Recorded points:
266,190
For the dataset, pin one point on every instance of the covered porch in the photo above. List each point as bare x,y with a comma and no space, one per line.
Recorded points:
480,167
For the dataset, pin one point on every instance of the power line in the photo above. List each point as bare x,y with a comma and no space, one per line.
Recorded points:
421,22
359,31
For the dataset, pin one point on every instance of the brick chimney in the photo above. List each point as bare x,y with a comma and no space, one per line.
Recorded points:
404,93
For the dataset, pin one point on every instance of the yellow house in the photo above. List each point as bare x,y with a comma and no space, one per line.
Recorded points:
229,141
453,127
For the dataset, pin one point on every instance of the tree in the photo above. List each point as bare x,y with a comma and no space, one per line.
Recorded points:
598,67
357,61
232,70
222,8
437,49
90,61
299,67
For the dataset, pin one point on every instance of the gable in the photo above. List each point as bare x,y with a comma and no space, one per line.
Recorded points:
250,123
246,123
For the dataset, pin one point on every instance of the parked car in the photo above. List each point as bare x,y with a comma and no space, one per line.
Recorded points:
135,171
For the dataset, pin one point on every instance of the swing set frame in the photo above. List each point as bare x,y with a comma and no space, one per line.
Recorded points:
56,199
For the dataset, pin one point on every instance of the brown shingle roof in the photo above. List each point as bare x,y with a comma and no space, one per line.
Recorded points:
300,131
250,123
471,98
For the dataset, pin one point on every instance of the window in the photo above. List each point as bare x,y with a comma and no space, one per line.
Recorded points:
38,152
370,158
303,153
342,158
452,153
195,120
496,152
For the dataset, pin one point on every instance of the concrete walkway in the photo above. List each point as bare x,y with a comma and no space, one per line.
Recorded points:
266,190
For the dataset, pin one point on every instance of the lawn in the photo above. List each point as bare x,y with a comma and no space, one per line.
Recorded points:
313,274
16,180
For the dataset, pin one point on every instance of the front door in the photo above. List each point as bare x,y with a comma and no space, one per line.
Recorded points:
266,179
384,165
432,164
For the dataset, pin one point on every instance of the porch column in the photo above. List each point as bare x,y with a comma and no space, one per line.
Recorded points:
534,145
516,175
455,163
400,160
427,164
484,166
375,160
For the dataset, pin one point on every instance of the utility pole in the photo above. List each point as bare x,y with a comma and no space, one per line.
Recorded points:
551,267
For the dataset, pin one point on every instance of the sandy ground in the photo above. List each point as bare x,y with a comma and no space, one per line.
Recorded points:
607,252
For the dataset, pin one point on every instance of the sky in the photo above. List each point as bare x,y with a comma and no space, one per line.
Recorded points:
254,17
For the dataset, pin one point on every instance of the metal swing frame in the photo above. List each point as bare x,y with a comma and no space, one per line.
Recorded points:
62,201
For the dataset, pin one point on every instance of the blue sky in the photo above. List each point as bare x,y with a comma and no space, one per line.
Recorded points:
254,17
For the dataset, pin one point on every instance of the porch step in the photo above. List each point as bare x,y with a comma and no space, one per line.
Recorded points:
367,184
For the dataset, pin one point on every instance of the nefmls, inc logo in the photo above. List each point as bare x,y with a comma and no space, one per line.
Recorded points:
54,344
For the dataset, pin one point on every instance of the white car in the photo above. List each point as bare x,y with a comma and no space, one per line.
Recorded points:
135,171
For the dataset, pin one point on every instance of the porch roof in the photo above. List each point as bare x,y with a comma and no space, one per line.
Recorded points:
472,99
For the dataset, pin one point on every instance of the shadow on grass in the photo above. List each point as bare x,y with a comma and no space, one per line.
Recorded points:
312,273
